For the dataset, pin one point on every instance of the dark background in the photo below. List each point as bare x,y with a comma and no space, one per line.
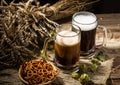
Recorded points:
104,6
107,6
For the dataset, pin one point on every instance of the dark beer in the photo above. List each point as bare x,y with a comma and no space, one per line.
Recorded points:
87,22
88,41
67,49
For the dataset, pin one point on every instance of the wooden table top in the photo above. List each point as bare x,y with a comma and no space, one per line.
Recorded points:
112,23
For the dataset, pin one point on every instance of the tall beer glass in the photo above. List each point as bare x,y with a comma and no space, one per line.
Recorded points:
87,21
66,46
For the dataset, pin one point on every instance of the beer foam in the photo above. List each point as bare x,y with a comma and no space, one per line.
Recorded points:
86,21
63,38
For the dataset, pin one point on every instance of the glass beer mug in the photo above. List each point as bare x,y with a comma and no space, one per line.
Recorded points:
66,46
88,24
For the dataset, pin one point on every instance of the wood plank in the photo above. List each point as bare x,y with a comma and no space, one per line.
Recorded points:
111,21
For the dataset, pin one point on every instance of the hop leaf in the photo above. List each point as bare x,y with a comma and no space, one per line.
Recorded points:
101,56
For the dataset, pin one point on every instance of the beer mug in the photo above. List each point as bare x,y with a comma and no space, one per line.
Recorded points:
88,24
66,46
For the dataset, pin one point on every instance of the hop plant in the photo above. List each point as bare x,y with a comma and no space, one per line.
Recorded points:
82,68
84,78
75,75
94,67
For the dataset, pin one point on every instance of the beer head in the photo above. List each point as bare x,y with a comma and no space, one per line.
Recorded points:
67,38
85,20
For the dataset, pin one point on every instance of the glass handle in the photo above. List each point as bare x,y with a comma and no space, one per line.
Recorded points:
104,30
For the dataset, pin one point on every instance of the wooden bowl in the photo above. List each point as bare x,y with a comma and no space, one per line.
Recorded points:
20,74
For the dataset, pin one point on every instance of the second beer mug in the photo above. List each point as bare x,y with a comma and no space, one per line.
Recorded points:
88,24
66,46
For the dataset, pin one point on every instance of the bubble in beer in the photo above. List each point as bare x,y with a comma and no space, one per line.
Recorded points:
85,21
70,38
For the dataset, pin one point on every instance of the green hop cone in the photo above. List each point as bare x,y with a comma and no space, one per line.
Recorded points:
75,75
82,68
93,67
95,61
84,78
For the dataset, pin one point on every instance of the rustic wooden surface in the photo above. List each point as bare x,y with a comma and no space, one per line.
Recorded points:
112,23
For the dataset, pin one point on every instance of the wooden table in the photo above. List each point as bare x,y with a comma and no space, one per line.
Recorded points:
112,23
